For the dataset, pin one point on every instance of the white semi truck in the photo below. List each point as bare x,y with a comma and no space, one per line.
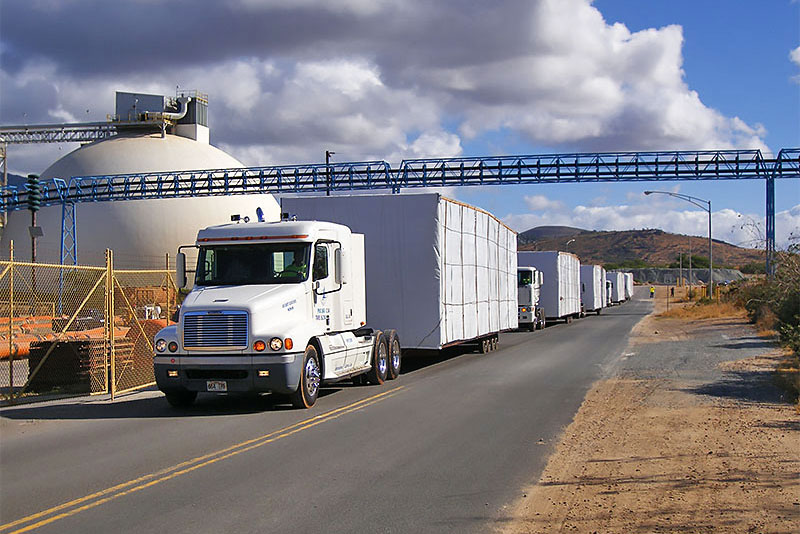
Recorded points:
276,307
529,285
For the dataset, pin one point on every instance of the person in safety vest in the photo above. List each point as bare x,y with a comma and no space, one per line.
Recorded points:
296,269
652,292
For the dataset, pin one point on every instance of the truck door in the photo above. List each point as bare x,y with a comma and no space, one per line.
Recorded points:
324,284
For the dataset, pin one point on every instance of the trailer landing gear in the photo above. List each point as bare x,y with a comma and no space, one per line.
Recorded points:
488,344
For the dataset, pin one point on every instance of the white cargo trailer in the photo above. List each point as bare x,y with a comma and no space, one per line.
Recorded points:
628,285
439,271
617,280
593,282
560,295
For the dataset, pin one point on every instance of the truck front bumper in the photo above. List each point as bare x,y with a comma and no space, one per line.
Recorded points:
279,373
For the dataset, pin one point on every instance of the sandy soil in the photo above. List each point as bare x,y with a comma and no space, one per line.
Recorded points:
651,455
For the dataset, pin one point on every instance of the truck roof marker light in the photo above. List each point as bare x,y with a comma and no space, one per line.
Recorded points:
251,238
259,346
288,343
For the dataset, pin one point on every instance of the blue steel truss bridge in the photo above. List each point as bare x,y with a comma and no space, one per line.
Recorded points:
415,173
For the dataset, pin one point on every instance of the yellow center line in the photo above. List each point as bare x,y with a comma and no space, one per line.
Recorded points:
189,465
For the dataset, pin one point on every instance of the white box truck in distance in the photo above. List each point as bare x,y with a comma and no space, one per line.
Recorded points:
593,286
561,292
275,307
529,285
617,288
438,271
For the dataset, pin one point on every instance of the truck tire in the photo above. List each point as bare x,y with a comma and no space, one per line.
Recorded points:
486,346
395,355
310,379
181,399
494,341
380,360
541,323
568,319
598,311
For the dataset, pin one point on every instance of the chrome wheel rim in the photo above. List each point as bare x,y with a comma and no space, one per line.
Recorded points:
395,356
312,376
382,363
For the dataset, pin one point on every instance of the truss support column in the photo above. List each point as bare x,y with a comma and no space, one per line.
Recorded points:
69,246
770,245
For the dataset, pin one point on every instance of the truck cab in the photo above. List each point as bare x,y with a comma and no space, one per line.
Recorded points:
529,283
276,307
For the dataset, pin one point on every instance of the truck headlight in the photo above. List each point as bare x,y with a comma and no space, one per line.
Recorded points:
275,343
172,346
161,345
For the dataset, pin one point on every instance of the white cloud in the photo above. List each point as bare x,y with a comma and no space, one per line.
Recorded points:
794,55
542,203
289,79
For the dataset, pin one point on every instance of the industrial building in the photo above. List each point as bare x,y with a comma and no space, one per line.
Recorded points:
154,133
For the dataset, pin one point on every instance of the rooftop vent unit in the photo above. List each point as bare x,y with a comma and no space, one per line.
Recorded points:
185,114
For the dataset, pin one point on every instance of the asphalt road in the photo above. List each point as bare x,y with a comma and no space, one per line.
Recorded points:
444,448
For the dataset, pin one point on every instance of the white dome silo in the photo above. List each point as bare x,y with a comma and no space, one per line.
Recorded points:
140,232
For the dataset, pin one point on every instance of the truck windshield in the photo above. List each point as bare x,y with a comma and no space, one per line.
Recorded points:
274,263
525,278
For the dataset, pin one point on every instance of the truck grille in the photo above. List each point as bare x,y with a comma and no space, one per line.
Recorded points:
216,330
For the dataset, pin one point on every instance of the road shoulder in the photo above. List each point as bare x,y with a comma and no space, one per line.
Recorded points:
690,433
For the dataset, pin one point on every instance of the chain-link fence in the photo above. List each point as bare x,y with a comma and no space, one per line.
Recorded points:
72,330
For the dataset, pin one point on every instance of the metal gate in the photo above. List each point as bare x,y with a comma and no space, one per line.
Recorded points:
76,330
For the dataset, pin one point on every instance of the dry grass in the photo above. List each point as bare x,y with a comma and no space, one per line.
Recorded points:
715,310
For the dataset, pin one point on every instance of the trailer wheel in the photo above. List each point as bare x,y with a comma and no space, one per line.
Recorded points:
395,354
598,311
380,360
569,319
494,342
485,346
181,399
310,378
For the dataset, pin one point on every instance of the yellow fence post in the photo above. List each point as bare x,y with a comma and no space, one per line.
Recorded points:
11,322
112,386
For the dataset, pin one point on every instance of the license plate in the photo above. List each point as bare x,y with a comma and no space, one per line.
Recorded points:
217,385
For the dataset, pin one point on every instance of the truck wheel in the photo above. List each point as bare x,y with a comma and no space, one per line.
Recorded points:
485,346
181,399
308,389
380,360
569,319
494,342
598,311
395,354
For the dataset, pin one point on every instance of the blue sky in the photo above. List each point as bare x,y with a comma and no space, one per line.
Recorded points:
391,79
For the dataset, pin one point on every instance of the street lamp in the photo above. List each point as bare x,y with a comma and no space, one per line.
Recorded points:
568,242
706,205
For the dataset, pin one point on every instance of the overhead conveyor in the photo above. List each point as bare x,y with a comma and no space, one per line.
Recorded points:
418,173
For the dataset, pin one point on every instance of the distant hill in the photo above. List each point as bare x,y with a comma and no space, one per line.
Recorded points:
654,247
548,232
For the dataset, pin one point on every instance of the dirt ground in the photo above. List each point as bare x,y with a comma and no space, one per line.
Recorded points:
649,454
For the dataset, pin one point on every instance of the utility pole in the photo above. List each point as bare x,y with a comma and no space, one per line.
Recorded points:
328,154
